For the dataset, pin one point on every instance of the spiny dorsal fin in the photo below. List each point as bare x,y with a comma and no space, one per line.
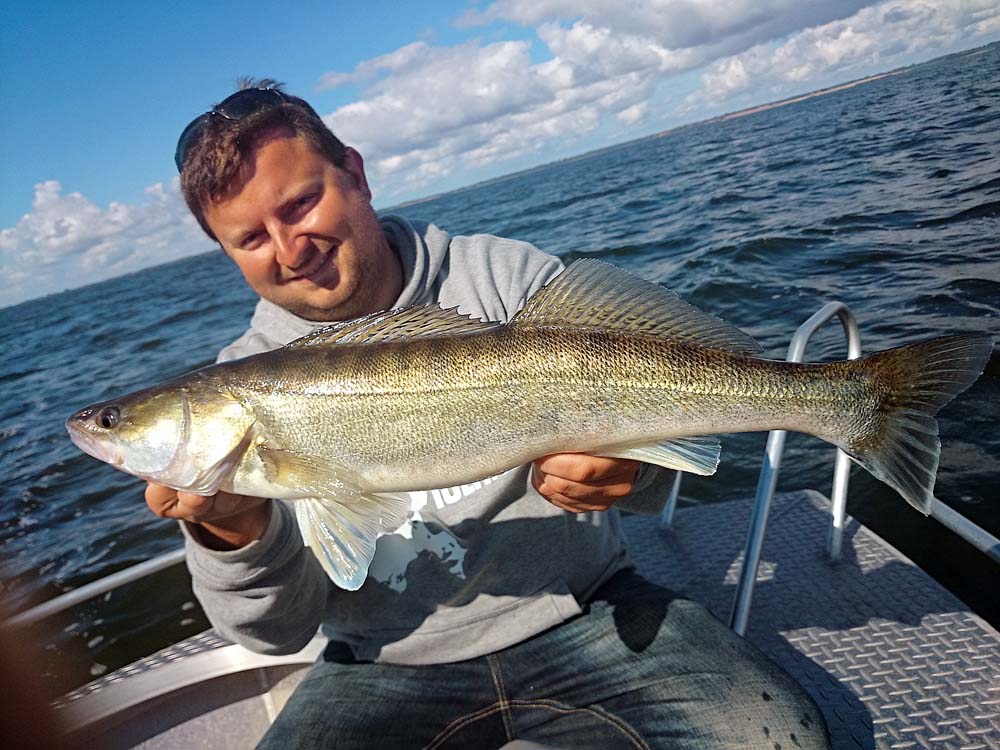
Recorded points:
420,321
596,295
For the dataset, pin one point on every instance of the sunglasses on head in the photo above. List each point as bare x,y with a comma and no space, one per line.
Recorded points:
234,107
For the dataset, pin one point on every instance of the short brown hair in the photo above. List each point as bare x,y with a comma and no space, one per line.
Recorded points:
216,159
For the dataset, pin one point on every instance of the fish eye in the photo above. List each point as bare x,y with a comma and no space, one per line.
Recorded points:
108,417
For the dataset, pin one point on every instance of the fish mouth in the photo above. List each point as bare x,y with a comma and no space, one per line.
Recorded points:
89,444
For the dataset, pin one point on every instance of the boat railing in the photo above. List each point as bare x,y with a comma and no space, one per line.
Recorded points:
95,588
768,479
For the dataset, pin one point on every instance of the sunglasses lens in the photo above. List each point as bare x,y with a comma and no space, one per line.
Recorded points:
234,107
190,135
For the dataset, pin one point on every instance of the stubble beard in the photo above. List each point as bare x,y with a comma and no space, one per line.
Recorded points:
363,277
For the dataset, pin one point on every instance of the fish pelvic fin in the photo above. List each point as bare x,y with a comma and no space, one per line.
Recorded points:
594,294
918,380
342,532
339,520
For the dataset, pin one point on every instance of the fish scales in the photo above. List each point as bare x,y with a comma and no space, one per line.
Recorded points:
490,401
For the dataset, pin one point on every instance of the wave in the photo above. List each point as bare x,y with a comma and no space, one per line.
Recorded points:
882,220
982,187
988,210
555,205
9,377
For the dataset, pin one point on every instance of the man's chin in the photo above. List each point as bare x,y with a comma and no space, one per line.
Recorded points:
322,306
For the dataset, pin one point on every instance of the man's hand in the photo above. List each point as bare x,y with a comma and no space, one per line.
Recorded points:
225,521
579,482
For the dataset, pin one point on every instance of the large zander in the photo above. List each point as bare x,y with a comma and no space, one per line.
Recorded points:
598,361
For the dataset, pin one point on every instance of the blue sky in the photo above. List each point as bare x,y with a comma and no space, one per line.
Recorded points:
435,95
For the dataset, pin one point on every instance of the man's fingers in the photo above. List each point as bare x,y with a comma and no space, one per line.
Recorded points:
577,506
612,489
575,497
161,500
182,506
586,469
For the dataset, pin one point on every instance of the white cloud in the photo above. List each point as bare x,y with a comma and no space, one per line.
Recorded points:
365,71
876,38
447,108
67,240
707,28
428,111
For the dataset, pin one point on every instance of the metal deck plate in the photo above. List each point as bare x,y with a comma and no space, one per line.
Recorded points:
891,657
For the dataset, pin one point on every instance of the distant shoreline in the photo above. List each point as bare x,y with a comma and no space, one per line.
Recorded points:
802,97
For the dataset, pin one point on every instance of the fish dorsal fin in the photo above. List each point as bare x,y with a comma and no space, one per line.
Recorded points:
596,295
419,321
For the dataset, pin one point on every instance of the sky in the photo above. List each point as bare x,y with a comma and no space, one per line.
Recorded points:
435,95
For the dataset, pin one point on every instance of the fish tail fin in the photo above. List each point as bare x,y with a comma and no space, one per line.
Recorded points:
917,380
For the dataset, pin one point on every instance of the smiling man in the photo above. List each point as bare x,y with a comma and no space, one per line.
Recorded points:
304,234
503,609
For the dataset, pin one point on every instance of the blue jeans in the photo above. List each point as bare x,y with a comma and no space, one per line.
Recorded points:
641,668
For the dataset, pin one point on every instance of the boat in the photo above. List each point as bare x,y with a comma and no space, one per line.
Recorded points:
891,657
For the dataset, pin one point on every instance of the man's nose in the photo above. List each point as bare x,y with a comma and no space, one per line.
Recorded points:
290,248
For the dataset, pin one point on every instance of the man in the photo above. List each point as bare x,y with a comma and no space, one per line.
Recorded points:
503,609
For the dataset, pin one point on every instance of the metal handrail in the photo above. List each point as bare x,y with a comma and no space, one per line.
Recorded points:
96,588
772,462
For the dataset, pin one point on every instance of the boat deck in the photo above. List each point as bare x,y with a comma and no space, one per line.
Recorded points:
893,659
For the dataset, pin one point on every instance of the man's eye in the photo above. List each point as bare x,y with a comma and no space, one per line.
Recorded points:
250,240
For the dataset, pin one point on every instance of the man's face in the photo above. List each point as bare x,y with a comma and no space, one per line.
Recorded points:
304,234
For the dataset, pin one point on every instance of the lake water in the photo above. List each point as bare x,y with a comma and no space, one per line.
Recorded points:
885,196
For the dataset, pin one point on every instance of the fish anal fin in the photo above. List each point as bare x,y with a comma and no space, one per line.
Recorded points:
695,455
594,294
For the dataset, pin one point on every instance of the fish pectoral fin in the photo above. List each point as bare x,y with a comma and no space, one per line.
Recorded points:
310,475
695,455
214,477
342,532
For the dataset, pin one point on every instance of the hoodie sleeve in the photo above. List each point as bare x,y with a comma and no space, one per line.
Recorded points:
268,596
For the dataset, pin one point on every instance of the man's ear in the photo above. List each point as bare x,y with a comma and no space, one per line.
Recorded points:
354,165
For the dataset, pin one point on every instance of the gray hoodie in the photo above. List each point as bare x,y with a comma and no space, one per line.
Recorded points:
477,567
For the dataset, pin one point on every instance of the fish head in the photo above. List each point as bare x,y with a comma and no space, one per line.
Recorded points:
182,436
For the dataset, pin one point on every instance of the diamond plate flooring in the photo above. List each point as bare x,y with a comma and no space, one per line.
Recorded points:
892,658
